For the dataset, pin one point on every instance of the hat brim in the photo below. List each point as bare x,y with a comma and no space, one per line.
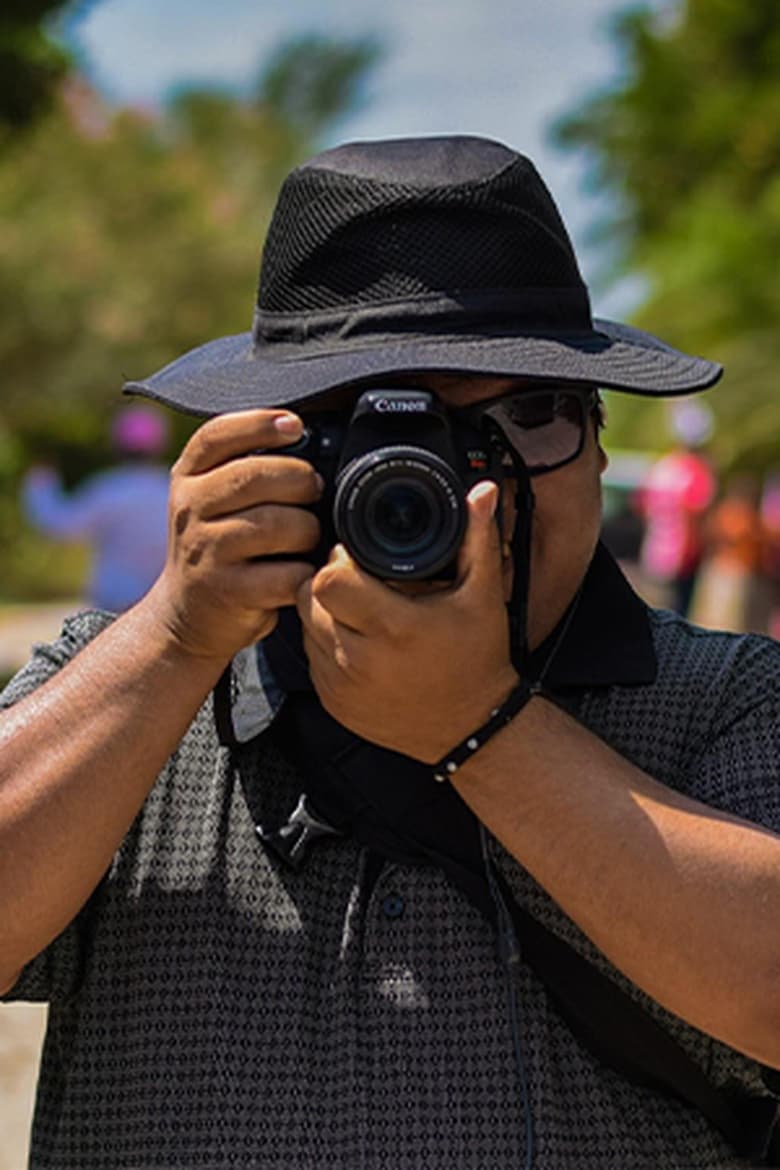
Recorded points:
231,373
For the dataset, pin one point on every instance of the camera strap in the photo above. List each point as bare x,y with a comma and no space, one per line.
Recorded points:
403,817
521,545
390,804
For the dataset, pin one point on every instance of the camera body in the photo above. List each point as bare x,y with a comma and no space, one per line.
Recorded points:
396,477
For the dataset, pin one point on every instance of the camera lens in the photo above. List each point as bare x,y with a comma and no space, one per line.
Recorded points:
401,515
400,511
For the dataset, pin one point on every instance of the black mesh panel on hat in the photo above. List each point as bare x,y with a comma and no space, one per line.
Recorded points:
338,240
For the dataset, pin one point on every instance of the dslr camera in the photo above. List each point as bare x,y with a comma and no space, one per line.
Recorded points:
396,477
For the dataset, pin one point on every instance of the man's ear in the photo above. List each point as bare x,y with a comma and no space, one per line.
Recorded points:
599,416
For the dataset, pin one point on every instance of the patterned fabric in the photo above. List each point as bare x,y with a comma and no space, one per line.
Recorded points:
211,1008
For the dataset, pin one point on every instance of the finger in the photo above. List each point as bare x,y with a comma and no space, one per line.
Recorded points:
359,601
318,624
257,479
334,656
330,647
268,530
479,559
266,584
325,600
239,433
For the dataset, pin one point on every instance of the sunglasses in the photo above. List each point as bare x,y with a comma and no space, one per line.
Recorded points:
546,428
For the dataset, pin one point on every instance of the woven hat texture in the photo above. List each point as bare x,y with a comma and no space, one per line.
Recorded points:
412,255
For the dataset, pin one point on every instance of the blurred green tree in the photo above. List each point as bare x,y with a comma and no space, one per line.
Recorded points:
127,238
32,62
313,81
689,144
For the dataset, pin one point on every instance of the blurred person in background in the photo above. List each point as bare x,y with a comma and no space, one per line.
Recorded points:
623,526
770,520
121,512
674,500
731,591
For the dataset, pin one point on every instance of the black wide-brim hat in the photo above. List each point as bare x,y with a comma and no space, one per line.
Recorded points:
412,255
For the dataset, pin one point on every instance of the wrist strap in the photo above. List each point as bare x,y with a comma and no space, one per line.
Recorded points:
499,717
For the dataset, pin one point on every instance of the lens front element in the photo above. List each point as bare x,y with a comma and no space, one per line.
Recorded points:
402,515
400,511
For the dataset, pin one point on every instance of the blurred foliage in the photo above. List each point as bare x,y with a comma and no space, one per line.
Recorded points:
689,144
310,91
32,63
127,238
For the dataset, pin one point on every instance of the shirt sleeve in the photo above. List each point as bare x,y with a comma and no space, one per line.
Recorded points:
737,767
738,771
55,973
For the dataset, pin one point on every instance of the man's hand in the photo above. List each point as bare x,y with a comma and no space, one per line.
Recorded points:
412,672
229,507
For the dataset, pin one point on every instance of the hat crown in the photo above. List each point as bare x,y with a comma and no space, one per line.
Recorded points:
386,258
381,222
417,162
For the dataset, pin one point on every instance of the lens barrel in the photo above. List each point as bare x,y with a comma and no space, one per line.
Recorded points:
400,511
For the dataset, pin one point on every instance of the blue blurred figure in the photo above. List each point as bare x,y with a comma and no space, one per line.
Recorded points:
122,511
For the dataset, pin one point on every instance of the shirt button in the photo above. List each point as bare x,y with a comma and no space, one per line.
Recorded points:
393,906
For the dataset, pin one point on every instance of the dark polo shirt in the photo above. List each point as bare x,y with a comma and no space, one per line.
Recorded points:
213,1007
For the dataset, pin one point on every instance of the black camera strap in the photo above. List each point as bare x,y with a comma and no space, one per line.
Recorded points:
517,606
389,804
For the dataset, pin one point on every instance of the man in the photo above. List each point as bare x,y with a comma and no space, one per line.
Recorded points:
675,499
121,511
267,929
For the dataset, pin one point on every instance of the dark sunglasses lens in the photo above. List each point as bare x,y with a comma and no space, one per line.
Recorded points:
546,429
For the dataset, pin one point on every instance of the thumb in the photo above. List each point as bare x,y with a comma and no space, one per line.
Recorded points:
479,560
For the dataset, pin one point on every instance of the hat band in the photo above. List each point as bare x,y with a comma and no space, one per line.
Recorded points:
499,312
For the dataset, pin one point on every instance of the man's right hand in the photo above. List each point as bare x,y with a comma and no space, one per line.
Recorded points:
229,508
92,740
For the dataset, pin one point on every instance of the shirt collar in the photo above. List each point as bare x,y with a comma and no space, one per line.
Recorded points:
608,640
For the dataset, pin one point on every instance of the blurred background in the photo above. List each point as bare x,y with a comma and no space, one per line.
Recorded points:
141,148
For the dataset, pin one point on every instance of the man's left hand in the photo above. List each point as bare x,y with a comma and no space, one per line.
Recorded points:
413,672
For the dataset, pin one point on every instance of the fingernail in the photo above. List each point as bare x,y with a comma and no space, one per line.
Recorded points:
287,424
485,487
